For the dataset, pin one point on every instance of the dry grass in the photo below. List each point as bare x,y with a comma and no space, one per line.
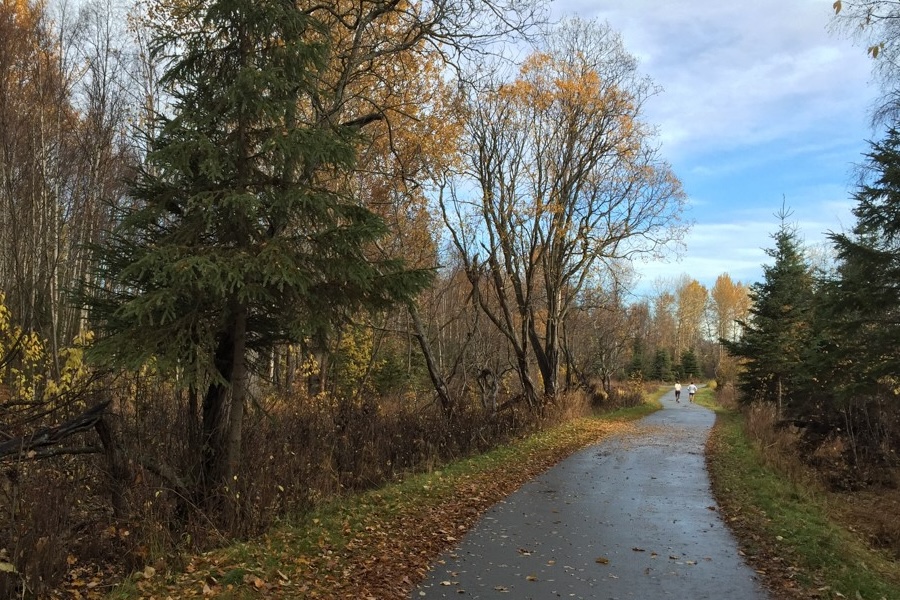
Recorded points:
58,530
778,443
376,544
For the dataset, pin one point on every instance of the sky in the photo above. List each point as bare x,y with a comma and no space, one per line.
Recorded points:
762,107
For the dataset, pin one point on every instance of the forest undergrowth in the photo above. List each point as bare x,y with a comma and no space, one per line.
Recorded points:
63,539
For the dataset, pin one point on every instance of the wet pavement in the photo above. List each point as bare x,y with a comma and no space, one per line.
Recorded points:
631,517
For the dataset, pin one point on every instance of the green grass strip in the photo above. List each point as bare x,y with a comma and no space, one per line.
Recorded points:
792,520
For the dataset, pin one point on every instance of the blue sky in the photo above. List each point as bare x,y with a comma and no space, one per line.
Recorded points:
761,105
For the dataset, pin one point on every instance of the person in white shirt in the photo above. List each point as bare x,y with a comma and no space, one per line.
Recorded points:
677,392
692,389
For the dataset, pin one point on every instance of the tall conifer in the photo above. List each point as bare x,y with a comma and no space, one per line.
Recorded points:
864,297
776,336
241,234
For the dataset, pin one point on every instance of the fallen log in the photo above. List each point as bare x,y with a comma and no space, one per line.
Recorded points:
51,436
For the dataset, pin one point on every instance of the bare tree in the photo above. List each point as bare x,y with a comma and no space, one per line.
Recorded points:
598,336
563,180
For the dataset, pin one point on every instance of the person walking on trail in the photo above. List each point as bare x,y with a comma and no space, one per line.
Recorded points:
692,389
677,392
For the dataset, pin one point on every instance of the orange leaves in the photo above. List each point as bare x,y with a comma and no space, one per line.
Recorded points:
25,12
546,82
730,303
691,300
28,62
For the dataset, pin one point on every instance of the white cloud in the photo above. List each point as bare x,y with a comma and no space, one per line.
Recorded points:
738,246
730,70
762,105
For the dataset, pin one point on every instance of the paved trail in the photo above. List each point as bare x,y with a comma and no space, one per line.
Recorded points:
630,518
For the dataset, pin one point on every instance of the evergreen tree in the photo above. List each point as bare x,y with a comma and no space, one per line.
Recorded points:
690,368
241,234
857,360
636,366
863,300
776,337
662,366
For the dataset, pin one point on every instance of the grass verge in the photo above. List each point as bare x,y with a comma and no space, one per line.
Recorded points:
377,544
784,527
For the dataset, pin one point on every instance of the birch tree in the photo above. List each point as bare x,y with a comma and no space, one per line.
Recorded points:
691,298
730,304
33,110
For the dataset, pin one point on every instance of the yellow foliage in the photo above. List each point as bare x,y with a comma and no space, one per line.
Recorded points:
30,377
354,354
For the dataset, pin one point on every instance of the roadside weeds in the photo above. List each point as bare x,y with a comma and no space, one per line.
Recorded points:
377,544
380,544
789,530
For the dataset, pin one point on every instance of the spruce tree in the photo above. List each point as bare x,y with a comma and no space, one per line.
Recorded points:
241,233
863,299
690,368
776,337
662,365
636,367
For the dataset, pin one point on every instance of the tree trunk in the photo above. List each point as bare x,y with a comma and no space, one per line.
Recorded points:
779,398
222,421
531,395
437,379
289,368
234,436
547,356
116,464
487,382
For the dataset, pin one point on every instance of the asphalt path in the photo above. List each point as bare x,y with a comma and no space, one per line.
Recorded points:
629,518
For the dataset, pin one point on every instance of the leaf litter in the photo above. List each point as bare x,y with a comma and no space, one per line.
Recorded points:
378,545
